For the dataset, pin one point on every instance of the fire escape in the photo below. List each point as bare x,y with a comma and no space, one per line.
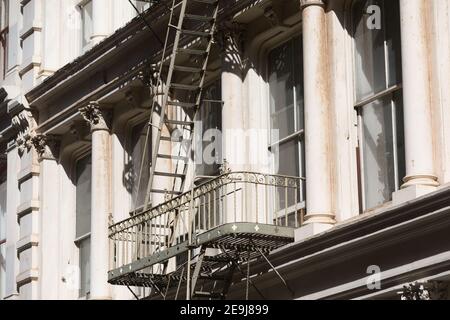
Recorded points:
192,244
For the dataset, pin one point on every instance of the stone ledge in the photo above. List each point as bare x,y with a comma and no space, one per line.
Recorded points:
311,230
411,193
27,242
28,173
27,277
27,208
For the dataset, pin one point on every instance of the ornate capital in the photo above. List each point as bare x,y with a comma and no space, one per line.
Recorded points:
307,3
47,147
97,118
231,37
21,123
429,290
231,40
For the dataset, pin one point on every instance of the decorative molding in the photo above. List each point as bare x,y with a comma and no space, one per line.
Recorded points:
97,118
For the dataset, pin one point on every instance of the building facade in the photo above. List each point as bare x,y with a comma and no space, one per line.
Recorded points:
348,98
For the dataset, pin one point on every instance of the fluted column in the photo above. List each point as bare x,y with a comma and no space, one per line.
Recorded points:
416,64
317,157
99,121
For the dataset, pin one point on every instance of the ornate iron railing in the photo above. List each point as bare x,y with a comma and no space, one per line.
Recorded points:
232,197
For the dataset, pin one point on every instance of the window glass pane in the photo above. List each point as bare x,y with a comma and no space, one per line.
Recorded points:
370,70
281,82
2,210
138,137
83,197
378,152
298,75
401,160
287,164
211,116
85,265
2,237
393,41
4,14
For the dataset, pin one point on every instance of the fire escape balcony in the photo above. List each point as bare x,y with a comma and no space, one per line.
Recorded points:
234,217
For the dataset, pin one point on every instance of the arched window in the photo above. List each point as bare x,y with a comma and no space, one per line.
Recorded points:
378,99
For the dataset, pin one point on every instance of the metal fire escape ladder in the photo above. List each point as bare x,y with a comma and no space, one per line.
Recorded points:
205,32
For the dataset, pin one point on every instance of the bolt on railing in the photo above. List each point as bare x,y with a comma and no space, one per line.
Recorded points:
232,197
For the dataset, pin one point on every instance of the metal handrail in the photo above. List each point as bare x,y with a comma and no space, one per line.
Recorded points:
185,198
231,198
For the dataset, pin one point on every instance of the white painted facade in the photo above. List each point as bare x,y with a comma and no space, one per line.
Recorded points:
75,90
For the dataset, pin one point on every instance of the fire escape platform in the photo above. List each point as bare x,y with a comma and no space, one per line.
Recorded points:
239,241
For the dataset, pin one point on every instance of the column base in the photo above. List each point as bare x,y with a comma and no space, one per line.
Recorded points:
100,298
420,180
410,193
321,218
311,230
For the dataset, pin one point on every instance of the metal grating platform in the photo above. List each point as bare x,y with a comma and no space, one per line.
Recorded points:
238,242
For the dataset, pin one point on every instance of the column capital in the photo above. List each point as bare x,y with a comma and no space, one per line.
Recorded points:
230,36
21,123
47,147
231,39
96,117
307,3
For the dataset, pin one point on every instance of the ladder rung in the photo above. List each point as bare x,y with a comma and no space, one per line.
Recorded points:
182,104
169,174
213,295
198,17
173,139
217,259
179,122
166,192
206,1
187,69
171,157
192,51
214,278
184,86
195,33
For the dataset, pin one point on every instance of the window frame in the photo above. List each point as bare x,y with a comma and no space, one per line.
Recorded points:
4,36
78,241
3,185
213,104
298,136
358,105
133,123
